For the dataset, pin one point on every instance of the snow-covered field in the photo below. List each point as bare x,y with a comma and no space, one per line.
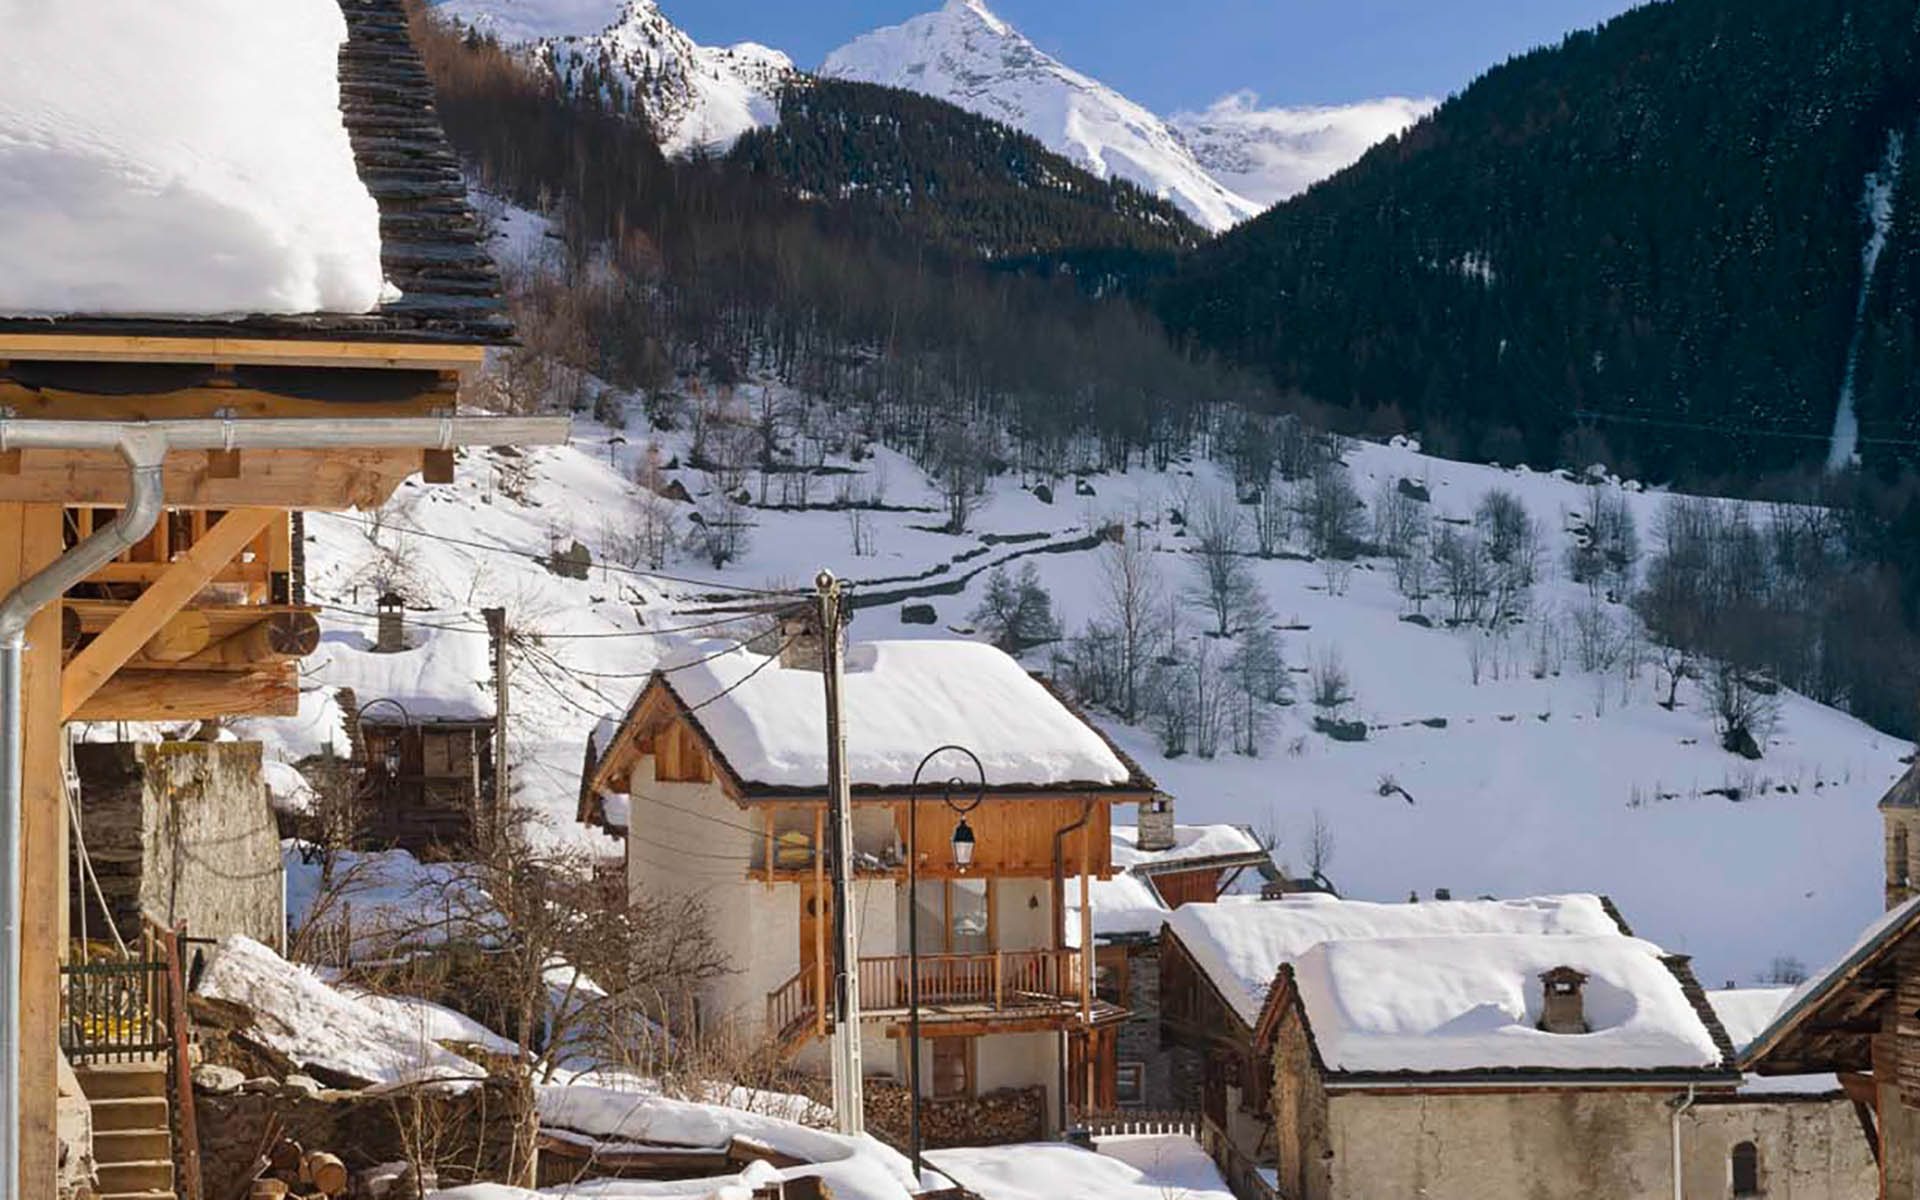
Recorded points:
1520,784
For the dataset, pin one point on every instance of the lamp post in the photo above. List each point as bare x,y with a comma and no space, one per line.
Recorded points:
391,762
963,845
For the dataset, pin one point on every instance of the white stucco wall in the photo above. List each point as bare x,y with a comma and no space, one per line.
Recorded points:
689,839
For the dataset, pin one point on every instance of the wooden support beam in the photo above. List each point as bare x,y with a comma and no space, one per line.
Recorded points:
31,537
180,637
278,352
136,695
206,402
110,651
326,480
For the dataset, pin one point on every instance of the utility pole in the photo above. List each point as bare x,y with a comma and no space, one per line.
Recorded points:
849,1092
496,619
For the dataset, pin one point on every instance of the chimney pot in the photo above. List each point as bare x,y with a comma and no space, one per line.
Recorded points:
1155,830
1563,1008
391,634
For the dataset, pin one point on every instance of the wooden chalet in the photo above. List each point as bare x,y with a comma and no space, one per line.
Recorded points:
689,768
202,615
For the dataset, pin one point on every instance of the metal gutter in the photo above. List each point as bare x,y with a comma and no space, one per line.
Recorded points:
144,445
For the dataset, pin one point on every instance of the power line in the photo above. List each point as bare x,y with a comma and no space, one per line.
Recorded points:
636,572
665,631
771,658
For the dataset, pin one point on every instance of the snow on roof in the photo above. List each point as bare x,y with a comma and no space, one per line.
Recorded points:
1125,904
1807,998
442,675
1135,1167
903,699
1744,1012
1189,842
1241,946
1472,1001
316,1025
193,163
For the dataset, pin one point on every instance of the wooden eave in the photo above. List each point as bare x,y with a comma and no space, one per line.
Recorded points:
1831,1027
133,348
659,701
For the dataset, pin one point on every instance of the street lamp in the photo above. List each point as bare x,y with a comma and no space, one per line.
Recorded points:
962,844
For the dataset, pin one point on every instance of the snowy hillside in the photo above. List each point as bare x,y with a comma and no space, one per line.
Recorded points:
1490,766
966,55
699,98
1271,154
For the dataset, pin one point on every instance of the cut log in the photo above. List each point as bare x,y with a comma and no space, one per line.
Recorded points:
324,1171
285,1157
267,1189
134,695
184,635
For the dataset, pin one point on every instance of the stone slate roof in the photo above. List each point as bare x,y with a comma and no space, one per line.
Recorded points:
1905,793
430,241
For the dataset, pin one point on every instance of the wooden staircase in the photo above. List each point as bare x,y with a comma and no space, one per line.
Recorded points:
132,1132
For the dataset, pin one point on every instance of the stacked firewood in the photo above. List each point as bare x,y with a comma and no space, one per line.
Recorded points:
288,1169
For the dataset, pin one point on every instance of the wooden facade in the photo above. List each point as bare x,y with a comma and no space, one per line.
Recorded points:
438,798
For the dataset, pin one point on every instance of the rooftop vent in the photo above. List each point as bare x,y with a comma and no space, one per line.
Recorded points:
1564,1009
1156,823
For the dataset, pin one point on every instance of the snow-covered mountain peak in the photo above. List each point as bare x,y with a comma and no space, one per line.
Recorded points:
1270,154
962,53
699,98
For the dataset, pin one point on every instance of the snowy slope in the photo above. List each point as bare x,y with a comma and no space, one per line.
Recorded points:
1519,784
966,55
1271,154
699,98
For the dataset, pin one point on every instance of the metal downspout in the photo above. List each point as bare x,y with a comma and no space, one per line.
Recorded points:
1680,1108
1060,930
145,453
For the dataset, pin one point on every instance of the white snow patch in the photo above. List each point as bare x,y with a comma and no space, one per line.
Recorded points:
1241,946
192,163
1135,1167
1876,204
967,56
1271,154
1472,1001
903,699
316,1025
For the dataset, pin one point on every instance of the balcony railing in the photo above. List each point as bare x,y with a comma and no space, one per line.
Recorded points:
1002,981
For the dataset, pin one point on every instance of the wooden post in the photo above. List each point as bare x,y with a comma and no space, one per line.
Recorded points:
30,539
999,982
1086,927
766,827
496,619
189,1155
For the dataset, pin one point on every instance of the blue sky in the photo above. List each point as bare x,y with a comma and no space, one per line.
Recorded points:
1172,54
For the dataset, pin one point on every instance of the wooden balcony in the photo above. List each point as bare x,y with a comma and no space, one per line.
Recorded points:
1004,987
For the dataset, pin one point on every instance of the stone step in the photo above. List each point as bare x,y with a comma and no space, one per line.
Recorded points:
134,1112
120,1081
138,1196
131,1145
148,1175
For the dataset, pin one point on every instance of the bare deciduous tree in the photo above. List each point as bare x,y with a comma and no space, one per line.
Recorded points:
1223,583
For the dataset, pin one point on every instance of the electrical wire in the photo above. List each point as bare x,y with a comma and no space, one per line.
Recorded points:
696,627
636,572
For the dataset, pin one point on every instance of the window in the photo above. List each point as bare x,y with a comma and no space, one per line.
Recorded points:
954,916
1899,865
952,1068
1746,1169
1130,1084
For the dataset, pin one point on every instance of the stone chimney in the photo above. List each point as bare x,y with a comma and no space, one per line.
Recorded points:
1156,823
1563,1010
798,642
392,635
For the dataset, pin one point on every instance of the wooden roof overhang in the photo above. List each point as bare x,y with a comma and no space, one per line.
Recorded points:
1831,1024
1284,1002
660,705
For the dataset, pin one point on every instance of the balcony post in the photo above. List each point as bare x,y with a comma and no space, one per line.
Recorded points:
1086,930
820,903
999,1001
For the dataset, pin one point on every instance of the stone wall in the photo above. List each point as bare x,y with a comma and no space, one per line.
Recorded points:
1810,1148
469,1135
1174,1074
991,1119
179,831
1526,1145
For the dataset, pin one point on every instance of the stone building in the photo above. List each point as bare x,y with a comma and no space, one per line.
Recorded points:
1158,866
176,831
